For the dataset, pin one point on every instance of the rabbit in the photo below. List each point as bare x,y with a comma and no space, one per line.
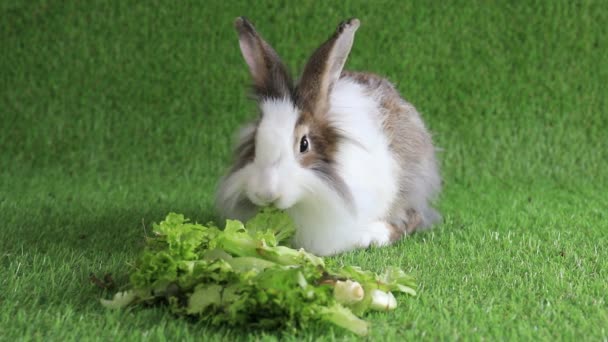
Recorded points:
341,152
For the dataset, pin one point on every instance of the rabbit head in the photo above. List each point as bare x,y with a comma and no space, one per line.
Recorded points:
288,154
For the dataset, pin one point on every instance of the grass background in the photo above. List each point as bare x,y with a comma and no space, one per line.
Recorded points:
113,113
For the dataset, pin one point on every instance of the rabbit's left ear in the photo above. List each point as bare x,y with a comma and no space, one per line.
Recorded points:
324,68
271,78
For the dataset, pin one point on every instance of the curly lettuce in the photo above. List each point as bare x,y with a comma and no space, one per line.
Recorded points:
247,275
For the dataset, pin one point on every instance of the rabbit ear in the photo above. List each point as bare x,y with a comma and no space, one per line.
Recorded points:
270,77
324,68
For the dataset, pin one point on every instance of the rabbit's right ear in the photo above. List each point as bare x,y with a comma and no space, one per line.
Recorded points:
324,68
270,76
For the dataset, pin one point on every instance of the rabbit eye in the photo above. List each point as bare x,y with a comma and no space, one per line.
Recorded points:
304,144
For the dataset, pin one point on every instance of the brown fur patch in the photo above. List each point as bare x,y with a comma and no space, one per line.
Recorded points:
311,93
401,227
413,222
323,139
321,157
245,151
367,79
395,233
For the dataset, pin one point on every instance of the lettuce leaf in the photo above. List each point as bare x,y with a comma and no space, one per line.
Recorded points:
246,275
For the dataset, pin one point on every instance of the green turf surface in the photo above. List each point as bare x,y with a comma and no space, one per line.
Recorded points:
113,113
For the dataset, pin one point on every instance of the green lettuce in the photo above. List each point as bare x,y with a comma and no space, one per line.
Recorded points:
248,275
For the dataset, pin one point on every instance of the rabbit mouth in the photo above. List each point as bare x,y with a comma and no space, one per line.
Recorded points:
263,199
270,200
278,204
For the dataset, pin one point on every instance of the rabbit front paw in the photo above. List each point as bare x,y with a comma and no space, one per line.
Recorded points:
378,233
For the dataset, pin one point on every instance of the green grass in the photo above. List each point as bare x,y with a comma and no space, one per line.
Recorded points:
113,113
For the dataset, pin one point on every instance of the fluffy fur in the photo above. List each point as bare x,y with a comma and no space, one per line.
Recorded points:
369,173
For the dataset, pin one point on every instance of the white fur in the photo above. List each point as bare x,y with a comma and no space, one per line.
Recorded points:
326,226
275,163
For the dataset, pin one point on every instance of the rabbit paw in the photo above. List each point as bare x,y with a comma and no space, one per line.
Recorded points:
378,233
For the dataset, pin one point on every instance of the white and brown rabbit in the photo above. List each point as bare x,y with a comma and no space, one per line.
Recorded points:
348,159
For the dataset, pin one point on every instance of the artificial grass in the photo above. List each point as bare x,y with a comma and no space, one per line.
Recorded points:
114,113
